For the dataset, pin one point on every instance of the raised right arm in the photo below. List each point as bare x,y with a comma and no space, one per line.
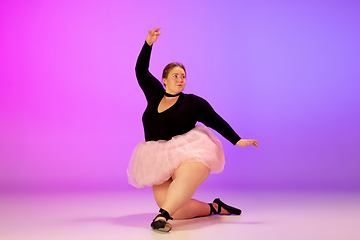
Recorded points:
148,83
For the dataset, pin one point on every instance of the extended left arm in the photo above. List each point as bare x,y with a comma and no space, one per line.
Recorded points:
210,118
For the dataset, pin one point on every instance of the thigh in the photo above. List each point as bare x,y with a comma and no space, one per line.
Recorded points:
192,171
160,192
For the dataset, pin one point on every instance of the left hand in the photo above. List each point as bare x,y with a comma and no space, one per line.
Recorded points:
247,142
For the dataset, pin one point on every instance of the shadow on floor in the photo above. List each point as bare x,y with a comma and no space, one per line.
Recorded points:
143,220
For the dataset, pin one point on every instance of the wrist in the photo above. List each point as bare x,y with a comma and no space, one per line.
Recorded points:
149,43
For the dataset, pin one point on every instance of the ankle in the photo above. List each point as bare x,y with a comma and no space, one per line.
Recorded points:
159,218
163,215
222,211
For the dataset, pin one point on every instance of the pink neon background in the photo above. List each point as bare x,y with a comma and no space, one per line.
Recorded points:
283,72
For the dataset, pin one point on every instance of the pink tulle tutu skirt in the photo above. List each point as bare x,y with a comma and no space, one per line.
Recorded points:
154,162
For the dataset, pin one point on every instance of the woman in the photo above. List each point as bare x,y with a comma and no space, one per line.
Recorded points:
177,156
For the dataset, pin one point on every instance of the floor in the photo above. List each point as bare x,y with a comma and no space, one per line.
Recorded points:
127,215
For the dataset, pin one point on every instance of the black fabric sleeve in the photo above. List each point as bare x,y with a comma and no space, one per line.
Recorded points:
148,83
210,118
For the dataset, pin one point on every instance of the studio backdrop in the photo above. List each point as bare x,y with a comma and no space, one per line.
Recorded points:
285,73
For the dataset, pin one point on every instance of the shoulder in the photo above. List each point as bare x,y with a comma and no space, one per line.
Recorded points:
195,100
193,97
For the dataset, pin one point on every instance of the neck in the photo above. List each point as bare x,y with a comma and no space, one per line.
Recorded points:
172,95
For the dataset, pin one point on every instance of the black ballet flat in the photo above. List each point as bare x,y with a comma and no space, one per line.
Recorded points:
161,225
220,204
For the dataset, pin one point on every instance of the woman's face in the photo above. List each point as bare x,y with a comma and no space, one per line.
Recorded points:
175,81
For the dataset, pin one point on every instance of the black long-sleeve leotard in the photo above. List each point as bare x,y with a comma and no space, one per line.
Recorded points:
179,118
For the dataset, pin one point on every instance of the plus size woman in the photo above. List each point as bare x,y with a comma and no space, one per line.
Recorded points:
177,155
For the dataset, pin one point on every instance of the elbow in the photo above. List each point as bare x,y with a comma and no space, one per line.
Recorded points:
138,71
140,68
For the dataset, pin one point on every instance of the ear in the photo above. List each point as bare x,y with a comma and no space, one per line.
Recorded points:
164,80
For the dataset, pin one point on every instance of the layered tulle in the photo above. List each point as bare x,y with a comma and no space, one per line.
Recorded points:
154,162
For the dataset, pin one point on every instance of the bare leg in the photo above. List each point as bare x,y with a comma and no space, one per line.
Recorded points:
175,194
186,179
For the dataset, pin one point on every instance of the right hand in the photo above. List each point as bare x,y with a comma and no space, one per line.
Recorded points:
153,36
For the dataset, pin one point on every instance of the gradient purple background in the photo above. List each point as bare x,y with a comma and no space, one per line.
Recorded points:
283,72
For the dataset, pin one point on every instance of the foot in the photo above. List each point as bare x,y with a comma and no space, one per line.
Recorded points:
159,217
222,212
218,207
160,222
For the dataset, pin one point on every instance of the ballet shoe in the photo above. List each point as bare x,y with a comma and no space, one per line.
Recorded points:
231,210
161,225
